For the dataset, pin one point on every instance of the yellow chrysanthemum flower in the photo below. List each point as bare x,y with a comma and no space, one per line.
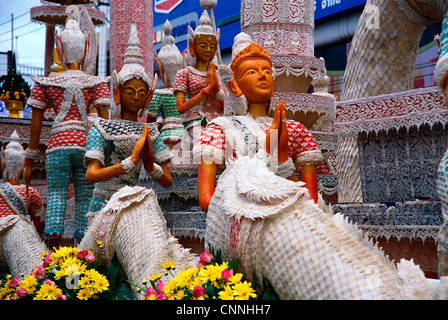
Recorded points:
244,291
48,292
154,277
235,278
43,255
227,293
84,294
29,284
59,274
85,282
101,284
168,265
180,295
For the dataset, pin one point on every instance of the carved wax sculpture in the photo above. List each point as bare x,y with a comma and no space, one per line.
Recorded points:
279,233
125,216
71,95
226,138
20,245
199,81
169,61
116,149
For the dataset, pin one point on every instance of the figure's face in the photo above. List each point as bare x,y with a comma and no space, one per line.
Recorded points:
254,78
133,94
205,48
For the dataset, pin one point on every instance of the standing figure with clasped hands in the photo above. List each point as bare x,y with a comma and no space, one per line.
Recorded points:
71,95
117,149
199,81
287,144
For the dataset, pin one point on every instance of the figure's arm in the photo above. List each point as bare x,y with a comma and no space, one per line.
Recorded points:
165,180
211,88
308,174
33,144
36,207
103,112
162,177
206,183
96,172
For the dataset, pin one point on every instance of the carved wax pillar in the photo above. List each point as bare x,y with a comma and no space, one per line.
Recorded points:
122,14
285,28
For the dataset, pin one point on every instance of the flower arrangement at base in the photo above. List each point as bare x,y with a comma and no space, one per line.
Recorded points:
212,279
66,274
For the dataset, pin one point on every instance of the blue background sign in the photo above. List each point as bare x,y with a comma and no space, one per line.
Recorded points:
227,18
327,8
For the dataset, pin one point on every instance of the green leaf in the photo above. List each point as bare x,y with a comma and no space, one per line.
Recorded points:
234,264
269,293
112,271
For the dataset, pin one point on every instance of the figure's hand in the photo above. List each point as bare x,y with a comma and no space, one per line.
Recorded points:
139,146
283,137
277,134
212,78
147,154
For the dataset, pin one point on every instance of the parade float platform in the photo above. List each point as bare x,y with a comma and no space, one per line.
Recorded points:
402,137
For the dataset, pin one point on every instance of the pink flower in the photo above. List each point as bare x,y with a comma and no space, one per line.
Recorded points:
159,286
198,291
51,283
206,257
150,292
47,260
14,283
161,297
61,297
225,274
90,257
21,293
38,272
82,254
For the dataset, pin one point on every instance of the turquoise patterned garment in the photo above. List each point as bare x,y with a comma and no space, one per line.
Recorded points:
110,142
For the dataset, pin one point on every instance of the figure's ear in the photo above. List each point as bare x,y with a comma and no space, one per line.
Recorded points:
192,48
234,88
60,51
116,93
86,51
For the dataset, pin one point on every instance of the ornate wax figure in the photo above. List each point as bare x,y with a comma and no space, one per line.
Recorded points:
20,245
441,77
117,149
199,81
229,137
126,216
271,223
71,94
169,61
16,198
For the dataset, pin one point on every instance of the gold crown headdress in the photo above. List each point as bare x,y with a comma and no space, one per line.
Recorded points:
253,50
204,29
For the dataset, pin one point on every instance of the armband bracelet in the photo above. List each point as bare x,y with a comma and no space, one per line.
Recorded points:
156,174
32,154
286,169
205,93
127,164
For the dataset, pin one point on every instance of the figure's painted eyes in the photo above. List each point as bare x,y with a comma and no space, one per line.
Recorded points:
250,72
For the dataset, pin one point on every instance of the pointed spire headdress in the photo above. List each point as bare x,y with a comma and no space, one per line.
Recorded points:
133,62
